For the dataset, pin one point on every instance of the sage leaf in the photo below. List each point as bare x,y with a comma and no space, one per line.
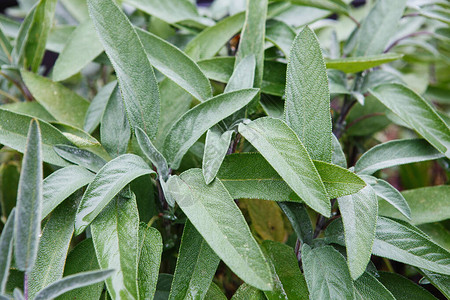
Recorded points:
307,106
403,288
216,147
134,73
193,124
415,112
326,273
338,6
214,214
72,282
27,223
439,281
152,153
149,256
97,107
280,34
337,155
215,293
300,221
83,158
115,233
6,248
108,182
361,63
359,216
367,287
83,47
248,292
176,65
62,103
281,147
394,153
196,265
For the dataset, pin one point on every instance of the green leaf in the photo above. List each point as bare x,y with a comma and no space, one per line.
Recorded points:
326,273
428,205
253,36
361,63
289,282
83,47
81,259
80,157
149,256
367,287
196,265
439,281
281,147
300,221
216,147
134,73
378,27
163,286
27,224
72,282
208,42
62,103
280,34
217,218
32,109
176,65
193,124
359,216
152,153
394,153
409,245
337,155
389,193
115,233
247,292
61,184
402,288
97,107
307,107
215,293
53,246
6,249
338,6
415,112
108,182
18,52
115,129
9,181
77,8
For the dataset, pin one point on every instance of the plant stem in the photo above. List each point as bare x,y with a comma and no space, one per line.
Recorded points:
363,118
322,221
395,43
354,20
11,97
339,127
27,95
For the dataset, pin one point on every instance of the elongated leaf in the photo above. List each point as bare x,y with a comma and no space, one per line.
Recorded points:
394,153
281,147
378,27
439,281
289,280
13,133
6,247
326,273
97,107
115,129
428,205
280,34
367,287
134,73
80,157
300,221
193,124
116,241
62,103
214,214
415,112
207,43
152,153
389,193
53,246
359,215
21,35
61,184
337,155
332,5
82,259
216,147
361,63
196,265
149,256
27,224
32,109
108,182
176,65
253,36
247,292
402,288
307,107
83,46
215,293
72,282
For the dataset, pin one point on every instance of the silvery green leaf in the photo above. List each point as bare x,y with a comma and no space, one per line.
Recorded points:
216,147
97,107
150,151
6,247
81,157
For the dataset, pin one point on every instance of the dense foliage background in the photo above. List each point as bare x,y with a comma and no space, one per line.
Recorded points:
243,149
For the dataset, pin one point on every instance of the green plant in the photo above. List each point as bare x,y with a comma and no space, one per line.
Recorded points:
244,137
